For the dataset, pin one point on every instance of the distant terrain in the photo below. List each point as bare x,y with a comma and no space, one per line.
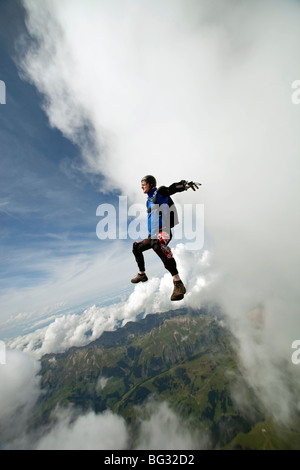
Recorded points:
184,357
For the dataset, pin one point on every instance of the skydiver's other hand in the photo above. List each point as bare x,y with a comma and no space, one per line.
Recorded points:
192,185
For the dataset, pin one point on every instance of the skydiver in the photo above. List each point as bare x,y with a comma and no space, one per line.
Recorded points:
162,217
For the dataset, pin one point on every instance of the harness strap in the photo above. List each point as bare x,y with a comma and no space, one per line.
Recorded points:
153,199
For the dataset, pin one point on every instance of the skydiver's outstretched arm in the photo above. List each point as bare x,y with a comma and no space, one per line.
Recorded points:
177,188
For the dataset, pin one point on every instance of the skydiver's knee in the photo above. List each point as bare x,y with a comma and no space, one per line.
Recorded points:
156,246
135,247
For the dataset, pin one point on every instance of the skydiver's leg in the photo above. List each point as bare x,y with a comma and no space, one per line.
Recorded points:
166,255
137,249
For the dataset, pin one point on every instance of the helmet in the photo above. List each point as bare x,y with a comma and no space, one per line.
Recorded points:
150,179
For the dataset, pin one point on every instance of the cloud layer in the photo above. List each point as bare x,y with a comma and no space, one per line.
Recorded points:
19,391
79,329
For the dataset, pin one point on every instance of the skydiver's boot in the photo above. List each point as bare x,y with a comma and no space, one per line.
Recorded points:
179,291
139,278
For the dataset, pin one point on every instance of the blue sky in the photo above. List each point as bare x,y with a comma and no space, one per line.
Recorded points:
47,203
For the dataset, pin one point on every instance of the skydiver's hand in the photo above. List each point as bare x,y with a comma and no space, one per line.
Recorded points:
192,185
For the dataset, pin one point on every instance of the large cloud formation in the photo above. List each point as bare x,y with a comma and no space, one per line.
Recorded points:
189,89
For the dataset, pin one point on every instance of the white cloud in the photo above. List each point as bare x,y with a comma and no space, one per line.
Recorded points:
80,329
162,430
106,431
165,430
19,391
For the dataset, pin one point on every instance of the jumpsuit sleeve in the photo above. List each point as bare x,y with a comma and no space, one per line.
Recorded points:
172,189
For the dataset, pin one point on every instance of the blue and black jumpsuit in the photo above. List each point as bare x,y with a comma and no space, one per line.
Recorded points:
158,205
